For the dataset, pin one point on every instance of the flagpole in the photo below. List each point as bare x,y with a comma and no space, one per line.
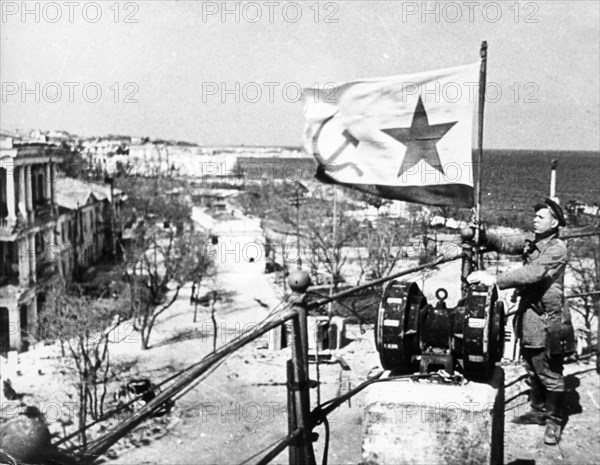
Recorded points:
330,306
482,83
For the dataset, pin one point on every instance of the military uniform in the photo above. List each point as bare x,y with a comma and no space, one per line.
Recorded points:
543,320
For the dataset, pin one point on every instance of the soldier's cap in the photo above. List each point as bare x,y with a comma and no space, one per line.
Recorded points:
555,208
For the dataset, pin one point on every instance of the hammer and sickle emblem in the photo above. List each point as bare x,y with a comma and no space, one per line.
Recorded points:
349,140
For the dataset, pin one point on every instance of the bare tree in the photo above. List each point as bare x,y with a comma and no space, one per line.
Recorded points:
85,324
382,246
584,264
421,224
328,235
314,220
165,251
157,260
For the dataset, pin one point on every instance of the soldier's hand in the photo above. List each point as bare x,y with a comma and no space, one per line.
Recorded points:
467,233
481,277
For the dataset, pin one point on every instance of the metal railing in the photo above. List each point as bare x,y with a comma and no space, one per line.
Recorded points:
301,420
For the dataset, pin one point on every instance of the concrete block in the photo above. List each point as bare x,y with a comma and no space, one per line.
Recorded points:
320,335
277,338
420,422
280,337
328,334
337,333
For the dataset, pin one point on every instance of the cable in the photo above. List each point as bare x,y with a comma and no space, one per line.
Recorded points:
179,395
260,452
317,366
226,352
342,398
326,445
276,311
351,310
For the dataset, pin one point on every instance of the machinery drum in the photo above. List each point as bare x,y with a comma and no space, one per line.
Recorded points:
397,331
483,331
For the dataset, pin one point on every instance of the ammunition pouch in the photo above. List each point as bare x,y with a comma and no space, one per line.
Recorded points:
560,338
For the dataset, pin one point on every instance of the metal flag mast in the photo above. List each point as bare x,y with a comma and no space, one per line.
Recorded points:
482,83
469,248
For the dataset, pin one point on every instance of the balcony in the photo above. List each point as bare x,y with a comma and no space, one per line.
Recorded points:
45,269
8,228
10,280
43,214
9,274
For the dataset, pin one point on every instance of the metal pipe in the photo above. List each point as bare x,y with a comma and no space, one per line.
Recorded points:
335,403
574,236
482,84
292,426
306,454
281,445
585,294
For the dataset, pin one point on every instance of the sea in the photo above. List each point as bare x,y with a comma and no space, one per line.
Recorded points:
515,180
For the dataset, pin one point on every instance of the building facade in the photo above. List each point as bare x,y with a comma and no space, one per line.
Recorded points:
49,228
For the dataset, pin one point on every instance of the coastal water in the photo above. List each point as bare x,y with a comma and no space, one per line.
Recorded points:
513,181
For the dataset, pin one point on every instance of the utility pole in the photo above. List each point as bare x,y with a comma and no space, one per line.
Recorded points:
330,305
113,234
168,166
283,264
296,201
75,239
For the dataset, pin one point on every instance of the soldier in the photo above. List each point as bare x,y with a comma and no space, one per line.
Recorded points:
543,320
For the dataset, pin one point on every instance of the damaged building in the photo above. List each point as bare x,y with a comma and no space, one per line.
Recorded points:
51,227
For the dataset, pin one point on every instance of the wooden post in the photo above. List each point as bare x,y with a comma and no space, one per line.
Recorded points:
293,448
305,453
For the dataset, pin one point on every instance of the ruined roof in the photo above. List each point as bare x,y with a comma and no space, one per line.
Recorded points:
73,193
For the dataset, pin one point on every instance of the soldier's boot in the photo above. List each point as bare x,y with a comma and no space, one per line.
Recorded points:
554,422
536,415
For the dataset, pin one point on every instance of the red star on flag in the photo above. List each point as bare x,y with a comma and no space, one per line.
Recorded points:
420,139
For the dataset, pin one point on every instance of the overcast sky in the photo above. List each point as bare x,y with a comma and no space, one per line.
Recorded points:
163,67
